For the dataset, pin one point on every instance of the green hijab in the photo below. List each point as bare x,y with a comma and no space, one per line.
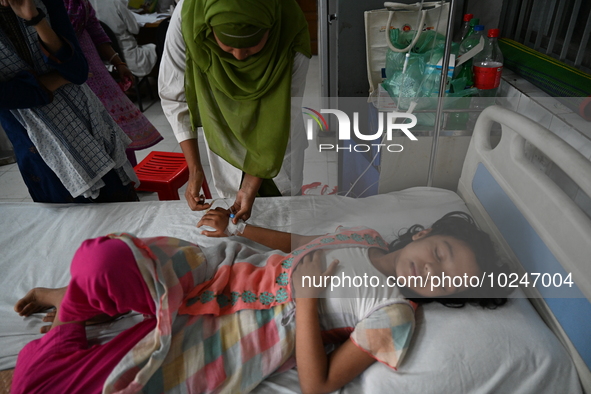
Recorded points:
243,106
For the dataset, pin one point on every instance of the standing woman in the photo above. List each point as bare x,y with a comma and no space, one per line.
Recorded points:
68,148
96,46
233,68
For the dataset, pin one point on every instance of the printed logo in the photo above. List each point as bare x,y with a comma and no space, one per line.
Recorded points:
387,123
318,118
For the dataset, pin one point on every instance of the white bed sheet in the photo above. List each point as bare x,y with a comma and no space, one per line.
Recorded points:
466,350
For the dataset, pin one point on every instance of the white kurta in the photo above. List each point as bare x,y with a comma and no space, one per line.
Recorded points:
115,14
227,178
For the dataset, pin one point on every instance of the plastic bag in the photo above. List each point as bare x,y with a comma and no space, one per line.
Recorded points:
405,71
419,81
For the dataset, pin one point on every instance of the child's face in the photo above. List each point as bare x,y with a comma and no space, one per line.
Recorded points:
429,256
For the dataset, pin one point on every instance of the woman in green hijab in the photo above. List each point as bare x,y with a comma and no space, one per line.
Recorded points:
232,67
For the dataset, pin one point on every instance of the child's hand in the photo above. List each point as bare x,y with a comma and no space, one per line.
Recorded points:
309,273
217,219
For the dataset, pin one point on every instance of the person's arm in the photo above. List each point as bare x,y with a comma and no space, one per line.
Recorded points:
274,239
103,45
245,197
47,36
171,88
278,240
53,80
58,40
69,60
171,81
93,27
108,54
317,371
131,24
196,175
25,90
26,9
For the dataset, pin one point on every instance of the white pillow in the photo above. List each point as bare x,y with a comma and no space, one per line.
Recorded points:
467,350
475,350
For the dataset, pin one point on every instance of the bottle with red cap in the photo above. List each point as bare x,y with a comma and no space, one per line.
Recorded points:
465,70
466,26
488,66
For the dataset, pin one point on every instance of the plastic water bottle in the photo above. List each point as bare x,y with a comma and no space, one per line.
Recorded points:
465,26
465,69
472,39
488,66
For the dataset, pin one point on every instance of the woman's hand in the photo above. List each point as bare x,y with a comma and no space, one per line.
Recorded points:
218,220
243,205
195,200
124,73
311,268
245,198
24,9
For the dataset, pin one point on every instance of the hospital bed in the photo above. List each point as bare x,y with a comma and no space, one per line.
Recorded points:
537,344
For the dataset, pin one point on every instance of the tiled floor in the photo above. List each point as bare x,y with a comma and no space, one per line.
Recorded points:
319,167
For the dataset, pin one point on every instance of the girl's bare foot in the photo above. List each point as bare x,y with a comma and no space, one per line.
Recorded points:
48,318
38,300
41,299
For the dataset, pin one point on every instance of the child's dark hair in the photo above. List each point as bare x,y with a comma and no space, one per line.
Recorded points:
461,226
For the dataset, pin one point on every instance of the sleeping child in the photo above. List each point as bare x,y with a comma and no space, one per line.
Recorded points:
223,318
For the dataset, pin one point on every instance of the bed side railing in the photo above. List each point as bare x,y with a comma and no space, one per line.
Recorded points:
519,188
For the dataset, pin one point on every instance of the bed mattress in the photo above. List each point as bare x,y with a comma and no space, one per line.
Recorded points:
453,350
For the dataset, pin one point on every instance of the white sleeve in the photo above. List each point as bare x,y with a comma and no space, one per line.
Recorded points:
171,80
298,74
128,19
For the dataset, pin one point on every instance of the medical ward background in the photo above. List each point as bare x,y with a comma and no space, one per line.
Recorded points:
546,77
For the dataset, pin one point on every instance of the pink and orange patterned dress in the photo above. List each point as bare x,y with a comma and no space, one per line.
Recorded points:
90,35
218,319
226,314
